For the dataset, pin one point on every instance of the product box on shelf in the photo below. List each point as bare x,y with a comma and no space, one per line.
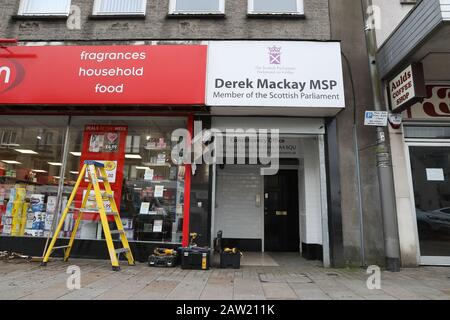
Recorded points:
37,202
7,229
34,233
127,223
48,221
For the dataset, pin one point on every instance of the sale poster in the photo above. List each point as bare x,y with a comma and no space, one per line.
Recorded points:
104,144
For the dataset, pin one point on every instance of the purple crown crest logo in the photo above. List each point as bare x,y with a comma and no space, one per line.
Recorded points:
275,55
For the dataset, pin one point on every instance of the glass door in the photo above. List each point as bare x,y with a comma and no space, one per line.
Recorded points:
430,172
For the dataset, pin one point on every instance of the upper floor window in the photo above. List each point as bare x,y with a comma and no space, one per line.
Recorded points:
120,7
44,7
197,7
294,7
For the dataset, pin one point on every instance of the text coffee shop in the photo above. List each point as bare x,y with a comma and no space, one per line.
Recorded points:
220,136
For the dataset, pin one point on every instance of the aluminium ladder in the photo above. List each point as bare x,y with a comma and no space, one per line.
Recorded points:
96,172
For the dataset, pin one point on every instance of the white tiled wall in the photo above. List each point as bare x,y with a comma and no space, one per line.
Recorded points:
311,217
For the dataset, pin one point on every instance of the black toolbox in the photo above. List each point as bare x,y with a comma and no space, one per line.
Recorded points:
162,261
230,260
195,258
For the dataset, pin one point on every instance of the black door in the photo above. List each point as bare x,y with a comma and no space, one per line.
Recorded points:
281,212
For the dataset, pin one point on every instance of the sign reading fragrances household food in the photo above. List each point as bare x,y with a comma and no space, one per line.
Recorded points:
275,73
113,75
407,87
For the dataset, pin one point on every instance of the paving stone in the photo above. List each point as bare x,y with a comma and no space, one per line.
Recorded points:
278,291
218,288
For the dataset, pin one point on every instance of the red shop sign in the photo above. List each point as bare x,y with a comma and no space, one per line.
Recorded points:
113,75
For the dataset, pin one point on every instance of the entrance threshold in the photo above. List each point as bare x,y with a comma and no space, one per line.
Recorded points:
275,259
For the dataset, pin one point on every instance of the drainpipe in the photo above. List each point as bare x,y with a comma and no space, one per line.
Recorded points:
384,165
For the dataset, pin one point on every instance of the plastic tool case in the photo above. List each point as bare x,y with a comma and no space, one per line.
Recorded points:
195,258
230,260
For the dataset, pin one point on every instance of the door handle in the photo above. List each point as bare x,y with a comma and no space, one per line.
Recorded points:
258,200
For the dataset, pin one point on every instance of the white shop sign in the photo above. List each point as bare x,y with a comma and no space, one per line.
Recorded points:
275,74
407,87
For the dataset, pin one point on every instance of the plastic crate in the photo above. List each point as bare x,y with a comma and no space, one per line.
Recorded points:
162,261
230,260
195,259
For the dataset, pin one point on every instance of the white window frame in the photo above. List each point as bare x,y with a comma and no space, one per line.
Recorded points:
23,4
300,10
173,9
96,10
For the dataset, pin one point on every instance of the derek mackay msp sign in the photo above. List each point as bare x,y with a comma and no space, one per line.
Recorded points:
275,73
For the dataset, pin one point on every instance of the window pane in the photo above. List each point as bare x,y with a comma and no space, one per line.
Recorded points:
430,169
198,5
413,132
45,7
30,163
275,6
121,6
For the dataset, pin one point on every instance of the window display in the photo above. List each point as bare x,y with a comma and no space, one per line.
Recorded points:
147,186
30,162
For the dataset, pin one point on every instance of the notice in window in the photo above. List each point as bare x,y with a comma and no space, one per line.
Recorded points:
148,175
157,226
159,191
145,206
435,174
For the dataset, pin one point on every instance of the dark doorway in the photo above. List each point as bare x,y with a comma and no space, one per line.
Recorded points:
281,212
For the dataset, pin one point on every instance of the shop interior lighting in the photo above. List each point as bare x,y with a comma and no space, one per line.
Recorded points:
11,162
76,154
39,171
141,168
74,172
56,164
132,156
26,151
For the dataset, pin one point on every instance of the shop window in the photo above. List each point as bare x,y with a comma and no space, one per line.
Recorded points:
293,7
44,7
148,186
197,7
120,7
29,173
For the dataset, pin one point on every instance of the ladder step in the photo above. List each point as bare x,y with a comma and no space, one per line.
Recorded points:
122,250
60,247
117,231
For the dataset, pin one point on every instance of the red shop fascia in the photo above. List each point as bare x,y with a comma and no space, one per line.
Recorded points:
122,80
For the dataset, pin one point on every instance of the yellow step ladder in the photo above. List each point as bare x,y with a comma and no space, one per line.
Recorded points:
96,172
